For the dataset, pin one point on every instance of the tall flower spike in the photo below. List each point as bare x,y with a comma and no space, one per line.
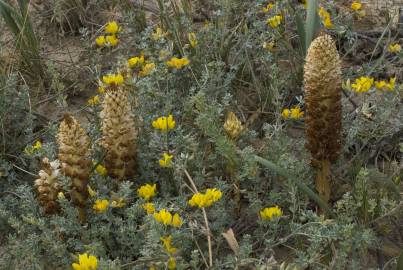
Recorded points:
47,186
322,82
74,151
119,135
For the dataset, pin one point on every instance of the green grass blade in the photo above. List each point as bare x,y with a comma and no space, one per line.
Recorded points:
304,188
301,31
312,22
399,265
8,12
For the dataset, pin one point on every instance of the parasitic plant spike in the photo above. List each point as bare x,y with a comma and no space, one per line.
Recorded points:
119,134
48,187
232,126
74,155
322,83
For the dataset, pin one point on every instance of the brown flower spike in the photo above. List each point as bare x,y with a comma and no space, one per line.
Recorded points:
47,186
119,134
322,82
74,155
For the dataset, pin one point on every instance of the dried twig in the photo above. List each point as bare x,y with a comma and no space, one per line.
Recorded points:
208,234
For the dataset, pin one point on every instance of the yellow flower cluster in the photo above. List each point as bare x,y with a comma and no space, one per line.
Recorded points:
166,218
267,8
100,206
275,21
293,113
139,62
356,6
383,85
148,207
135,61
201,200
147,68
164,123
113,79
394,48
158,34
192,39
100,169
94,100
166,160
147,191
171,263
85,262
110,39
325,15
362,84
270,213
118,203
177,63
32,149
167,242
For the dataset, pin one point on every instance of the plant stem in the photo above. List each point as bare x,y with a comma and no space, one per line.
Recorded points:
208,234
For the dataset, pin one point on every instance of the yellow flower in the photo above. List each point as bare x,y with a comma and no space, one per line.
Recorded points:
147,191
380,84
149,207
327,22
163,216
93,101
85,262
305,3
101,89
270,213
192,39
31,149
100,41
275,21
134,61
112,28
166,161
285,113
118,203
391,85
171,263
37,145
207,199
362,84
164,123
176,221
167,241
112,40
110,79
100,206
101,170
177,63
296,113
356,6
91,192
158,34
394,48
147,68
268,7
